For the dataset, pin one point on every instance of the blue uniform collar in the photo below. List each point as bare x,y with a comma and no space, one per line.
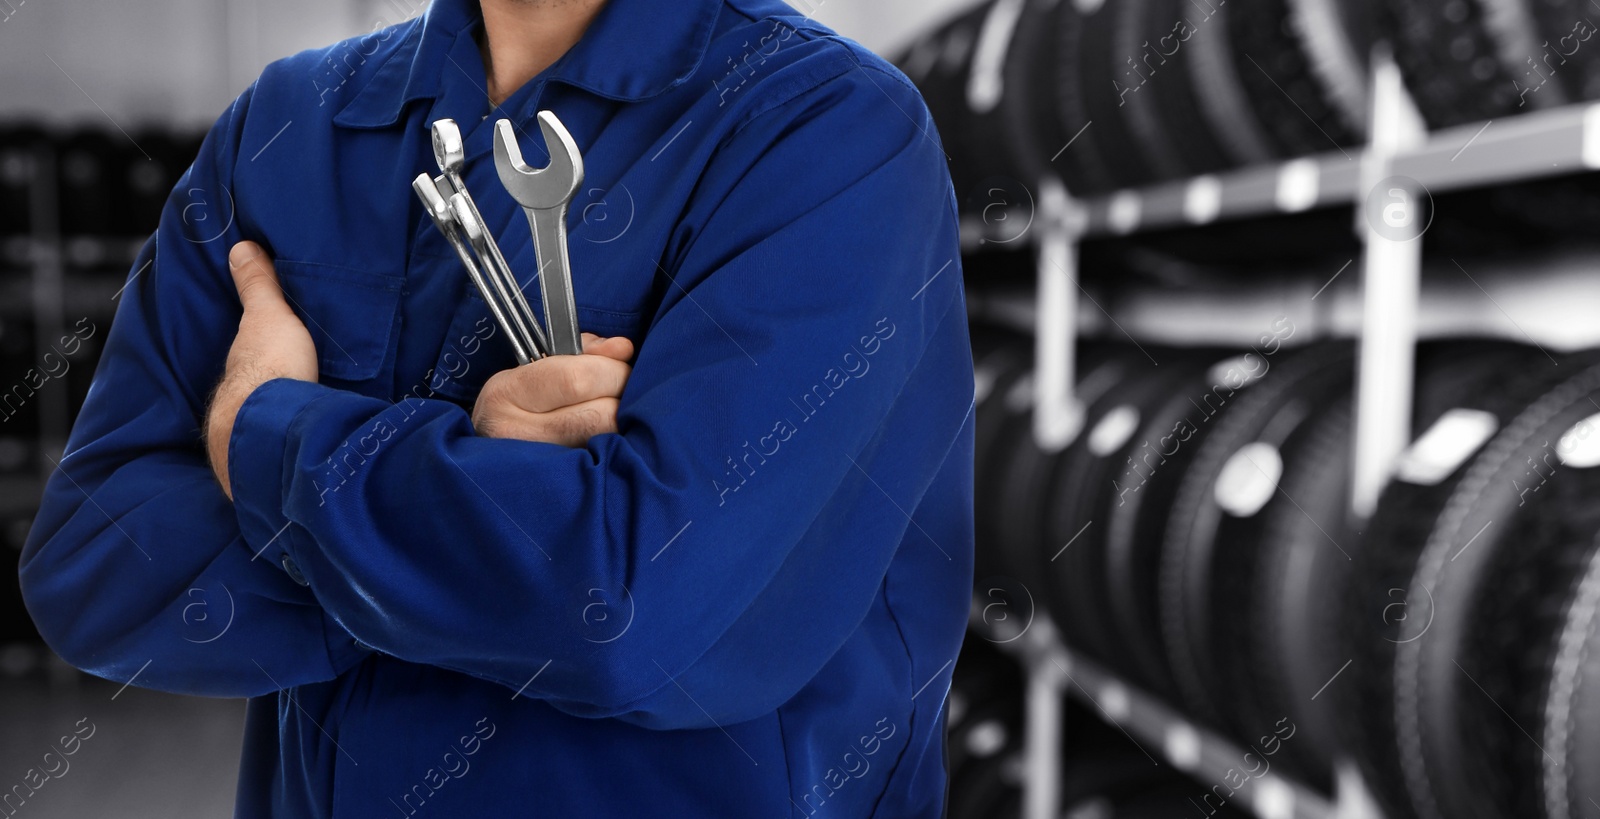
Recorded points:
633,50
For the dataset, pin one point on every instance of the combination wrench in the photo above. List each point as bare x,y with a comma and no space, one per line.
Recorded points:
450,154
544,194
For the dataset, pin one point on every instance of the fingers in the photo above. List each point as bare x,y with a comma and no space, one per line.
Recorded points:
255,278
575,425
616,347
571,426
560,381
564,399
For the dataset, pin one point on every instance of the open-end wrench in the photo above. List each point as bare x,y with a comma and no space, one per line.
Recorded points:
544,194
450,153
484,245
444,219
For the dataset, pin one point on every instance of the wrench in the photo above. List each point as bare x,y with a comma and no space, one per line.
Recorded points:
450,153
544,194
445,220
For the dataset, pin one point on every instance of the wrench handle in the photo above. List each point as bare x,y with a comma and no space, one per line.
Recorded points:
517,344
434,204
498,272
555,279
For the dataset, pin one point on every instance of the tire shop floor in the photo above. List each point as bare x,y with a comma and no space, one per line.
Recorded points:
139,754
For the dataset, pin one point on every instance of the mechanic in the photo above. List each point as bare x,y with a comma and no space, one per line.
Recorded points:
717,566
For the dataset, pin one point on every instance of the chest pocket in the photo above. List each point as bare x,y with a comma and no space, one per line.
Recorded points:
351,314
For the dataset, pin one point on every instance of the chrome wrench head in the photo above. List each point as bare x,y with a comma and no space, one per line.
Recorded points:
433,201
461,214
444,218
450,152
544,188
448,149
544,194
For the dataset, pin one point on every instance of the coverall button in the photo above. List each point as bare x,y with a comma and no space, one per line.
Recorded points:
294,571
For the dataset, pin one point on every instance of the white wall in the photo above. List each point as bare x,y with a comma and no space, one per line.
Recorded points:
181,61
882,25
151,62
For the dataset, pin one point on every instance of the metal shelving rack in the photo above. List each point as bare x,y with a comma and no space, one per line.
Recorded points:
47,255
48,296
38,261
1536,145
1159,729
1528,147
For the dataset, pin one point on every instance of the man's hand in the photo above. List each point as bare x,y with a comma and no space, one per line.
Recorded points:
272,343
559,399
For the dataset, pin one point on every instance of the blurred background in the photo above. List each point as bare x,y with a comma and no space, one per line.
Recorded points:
102,106
1284,315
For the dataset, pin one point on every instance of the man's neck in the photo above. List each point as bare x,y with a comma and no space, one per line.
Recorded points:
524,37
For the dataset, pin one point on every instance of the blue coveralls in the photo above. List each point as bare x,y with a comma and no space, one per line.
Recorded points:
747,603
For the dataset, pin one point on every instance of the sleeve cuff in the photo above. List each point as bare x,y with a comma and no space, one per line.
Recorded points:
258,467
259,471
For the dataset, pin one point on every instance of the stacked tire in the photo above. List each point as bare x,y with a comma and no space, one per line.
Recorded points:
87,195
1109,95
1196,540
1472,616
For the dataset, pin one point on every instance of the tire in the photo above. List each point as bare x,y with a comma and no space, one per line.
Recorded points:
1135,522
1302,566
1072,563
1205,555
1476,381
1442,721
1571,735
1463,59
1160,111
1006,357
1302,65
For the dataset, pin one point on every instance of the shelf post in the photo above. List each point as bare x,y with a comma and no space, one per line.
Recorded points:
1057,416
1042,731
1391,280
47,294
